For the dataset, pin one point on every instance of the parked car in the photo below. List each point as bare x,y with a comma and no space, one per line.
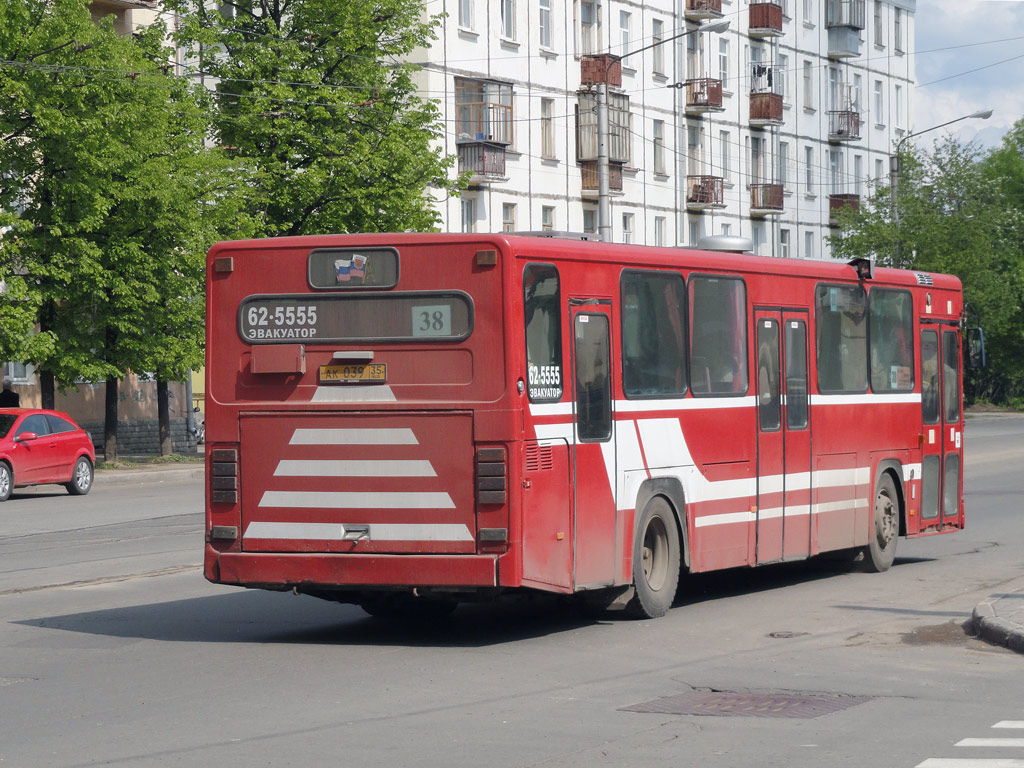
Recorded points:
38,446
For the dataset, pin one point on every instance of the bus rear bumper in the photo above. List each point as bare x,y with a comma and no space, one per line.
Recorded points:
283,571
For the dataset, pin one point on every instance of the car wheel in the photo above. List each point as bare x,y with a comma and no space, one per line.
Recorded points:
6,481
81,479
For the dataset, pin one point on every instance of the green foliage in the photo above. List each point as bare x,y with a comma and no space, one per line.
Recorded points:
958,214
315,95
111,196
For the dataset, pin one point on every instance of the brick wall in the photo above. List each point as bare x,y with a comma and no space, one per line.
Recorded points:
142,436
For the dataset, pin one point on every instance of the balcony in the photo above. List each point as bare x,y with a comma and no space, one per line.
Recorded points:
765,19
843,125
590,184
596,69
765,109
766,199
846,19
705,192
697,10
837,202
485,161
703,95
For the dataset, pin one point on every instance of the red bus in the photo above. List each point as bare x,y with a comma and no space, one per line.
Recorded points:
409,421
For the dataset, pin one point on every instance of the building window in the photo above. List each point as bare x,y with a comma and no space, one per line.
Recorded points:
508,19
468,214
657,52
694,233
727,229
466,14
879,171
723,62
483,111
620,128
547,128
588,26
547,218
878,29
17,373
879,104
808,245
809,169
897,30
808,11
724,150
508,217
898,117
627,227
694,151
624,35
544,24
658,135
781,78
758,238
858,175
755,160
833,88
808,85
659,230
783,170
855,96
835,172
589,220
784,243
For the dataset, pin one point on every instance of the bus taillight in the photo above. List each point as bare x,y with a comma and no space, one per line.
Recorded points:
224,476
491,476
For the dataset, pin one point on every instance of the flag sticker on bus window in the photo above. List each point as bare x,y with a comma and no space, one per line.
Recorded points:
350,269
353,268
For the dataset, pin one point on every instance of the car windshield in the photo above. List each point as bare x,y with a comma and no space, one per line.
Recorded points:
6,422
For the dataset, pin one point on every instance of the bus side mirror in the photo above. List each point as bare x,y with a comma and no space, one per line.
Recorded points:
975,347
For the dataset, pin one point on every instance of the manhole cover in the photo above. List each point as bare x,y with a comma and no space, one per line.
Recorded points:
725,704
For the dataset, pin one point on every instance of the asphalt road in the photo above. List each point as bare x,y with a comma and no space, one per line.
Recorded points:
115,651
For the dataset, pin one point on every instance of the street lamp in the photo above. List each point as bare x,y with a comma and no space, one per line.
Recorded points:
894,160
604,197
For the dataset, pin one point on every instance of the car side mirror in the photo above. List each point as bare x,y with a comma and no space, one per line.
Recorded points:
26,436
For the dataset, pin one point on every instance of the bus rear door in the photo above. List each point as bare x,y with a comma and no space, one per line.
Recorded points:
942,427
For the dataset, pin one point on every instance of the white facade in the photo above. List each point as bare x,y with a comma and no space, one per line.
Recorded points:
835,77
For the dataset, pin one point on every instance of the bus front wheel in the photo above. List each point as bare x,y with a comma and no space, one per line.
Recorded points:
881,549
655,561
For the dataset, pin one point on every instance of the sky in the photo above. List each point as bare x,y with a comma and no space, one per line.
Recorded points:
954,37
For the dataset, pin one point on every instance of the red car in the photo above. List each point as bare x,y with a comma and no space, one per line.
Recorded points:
39,446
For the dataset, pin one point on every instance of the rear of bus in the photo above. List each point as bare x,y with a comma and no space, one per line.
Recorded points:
357,415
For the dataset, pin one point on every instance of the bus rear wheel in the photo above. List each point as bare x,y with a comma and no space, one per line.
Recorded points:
881,549
655,561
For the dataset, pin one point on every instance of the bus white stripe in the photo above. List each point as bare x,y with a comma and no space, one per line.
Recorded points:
729,518
867,399
399,436
356,500
354,468
378,532
354,393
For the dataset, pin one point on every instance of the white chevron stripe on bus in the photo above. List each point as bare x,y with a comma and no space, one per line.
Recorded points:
378,532
354,468
366,436
357,393
356,500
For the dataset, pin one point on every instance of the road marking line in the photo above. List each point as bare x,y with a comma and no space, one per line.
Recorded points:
1009,724
995,762
990,743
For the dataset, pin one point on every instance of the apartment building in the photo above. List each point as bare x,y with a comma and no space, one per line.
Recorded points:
763,130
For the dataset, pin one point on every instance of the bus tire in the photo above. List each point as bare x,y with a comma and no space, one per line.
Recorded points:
655,561
885,527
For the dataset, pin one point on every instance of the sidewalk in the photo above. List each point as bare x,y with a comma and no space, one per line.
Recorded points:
1000,619
150,473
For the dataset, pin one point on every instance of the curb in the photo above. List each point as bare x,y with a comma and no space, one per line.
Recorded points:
989,626
110,477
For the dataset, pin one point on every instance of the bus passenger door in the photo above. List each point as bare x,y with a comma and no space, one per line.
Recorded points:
942,425
594,508
783,437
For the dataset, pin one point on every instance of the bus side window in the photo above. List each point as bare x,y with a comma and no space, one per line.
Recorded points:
652,334
929,376
718,335
842,336
541,302
891,331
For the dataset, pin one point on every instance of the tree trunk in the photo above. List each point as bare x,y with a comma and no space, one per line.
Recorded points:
163,409
110,422
47,390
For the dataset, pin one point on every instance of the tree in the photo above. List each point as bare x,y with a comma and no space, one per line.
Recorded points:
113,199
315,94
952,219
